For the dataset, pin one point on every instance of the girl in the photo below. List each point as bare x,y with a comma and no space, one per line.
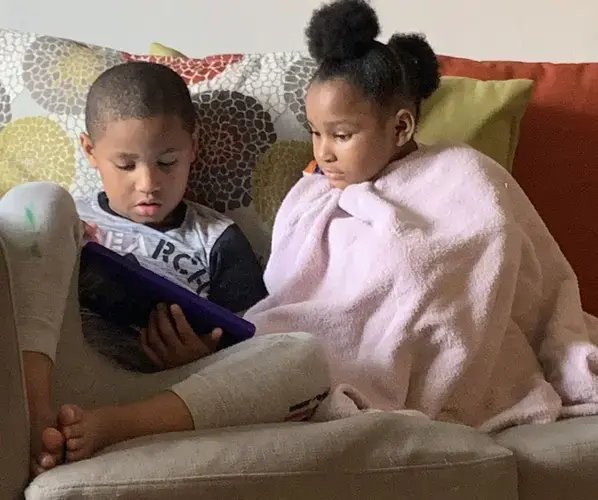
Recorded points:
426,271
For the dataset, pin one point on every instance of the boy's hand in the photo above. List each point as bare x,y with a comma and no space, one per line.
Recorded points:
90,232
172,342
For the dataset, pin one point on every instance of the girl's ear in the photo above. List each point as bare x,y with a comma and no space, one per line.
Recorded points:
404,127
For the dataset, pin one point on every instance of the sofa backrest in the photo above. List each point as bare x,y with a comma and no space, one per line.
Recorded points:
254,143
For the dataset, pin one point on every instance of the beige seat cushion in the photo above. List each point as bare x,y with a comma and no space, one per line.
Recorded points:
556,461
377,456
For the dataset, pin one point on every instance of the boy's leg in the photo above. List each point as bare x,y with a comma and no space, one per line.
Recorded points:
41,263
271,378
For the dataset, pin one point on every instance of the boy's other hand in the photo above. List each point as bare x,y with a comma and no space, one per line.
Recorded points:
169,340
90,232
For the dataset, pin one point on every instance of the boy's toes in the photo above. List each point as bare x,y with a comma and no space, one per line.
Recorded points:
51,453
69,415
52,441
75,444
36,469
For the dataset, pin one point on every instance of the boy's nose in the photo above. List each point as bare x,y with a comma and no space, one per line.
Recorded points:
147,181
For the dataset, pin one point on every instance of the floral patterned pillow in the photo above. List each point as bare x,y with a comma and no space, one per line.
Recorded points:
253,140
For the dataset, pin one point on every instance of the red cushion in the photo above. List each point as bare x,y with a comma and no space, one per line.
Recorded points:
557,157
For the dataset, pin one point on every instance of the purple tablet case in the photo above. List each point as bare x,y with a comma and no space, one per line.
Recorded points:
121,290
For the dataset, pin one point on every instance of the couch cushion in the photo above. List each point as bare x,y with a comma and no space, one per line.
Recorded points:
556,461
381,456
484,114
557,156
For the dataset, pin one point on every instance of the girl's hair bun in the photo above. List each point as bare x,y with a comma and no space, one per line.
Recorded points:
420,62
343,29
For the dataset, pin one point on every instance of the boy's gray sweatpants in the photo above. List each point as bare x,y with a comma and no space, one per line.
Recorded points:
258,381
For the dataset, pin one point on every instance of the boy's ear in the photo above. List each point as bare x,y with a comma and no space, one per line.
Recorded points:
88,149
404,127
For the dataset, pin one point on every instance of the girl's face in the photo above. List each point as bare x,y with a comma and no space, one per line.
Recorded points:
353,139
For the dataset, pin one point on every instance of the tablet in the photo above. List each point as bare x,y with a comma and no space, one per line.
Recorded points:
121,290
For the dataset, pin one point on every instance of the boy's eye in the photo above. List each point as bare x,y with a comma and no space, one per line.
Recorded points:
125,166
342,137
313,132
166,164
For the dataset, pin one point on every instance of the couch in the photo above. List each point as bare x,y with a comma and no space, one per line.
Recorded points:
537,119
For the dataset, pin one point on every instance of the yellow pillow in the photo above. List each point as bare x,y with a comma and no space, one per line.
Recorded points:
157,49
277,170
484,114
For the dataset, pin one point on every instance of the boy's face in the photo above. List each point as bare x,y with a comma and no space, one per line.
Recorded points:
144,165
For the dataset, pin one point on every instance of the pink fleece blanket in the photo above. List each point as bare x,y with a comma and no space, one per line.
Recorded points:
435,288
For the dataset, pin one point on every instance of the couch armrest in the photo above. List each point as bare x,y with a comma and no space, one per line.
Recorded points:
14,418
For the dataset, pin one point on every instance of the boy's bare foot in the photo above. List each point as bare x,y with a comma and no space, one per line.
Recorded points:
47,445
82,431
88,431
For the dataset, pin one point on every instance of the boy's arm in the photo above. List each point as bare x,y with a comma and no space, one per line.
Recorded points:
236,277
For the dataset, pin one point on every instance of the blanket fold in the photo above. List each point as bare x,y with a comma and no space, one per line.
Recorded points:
436,288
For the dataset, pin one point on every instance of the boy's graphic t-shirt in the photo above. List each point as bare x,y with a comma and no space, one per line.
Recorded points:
200,249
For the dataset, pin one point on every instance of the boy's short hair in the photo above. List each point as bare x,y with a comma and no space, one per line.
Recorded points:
137,90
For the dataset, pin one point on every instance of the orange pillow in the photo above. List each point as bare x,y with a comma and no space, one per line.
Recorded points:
556,161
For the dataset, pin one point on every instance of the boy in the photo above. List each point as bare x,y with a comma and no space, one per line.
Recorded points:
140,137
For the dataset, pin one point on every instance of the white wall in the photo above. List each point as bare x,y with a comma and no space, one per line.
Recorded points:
555,30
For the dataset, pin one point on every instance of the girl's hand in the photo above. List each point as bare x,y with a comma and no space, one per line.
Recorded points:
169,341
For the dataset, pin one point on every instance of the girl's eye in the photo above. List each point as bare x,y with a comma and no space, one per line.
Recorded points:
313,132
342,137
